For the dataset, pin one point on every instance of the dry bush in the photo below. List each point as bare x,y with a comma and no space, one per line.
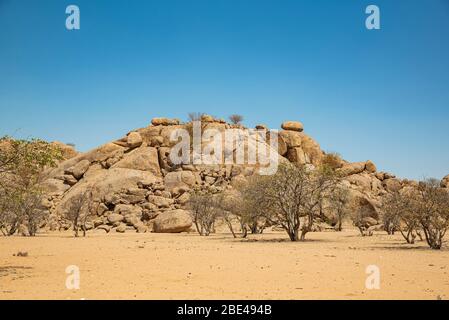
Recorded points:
195,116
332,160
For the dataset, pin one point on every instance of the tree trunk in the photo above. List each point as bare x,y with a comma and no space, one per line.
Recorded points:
339,226
244,232
197,227
293,234
303,233
231,228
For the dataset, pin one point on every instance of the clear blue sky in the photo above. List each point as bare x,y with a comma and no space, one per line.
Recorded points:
380,95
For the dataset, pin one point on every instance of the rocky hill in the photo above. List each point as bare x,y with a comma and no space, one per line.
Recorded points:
135,187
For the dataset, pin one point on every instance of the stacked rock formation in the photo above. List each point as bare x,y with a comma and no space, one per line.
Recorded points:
136,187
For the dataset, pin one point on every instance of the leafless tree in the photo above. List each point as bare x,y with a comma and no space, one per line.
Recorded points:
205,211
291,195
10,212
236,118
236,208
79,210
195,116
363,222
432,207
399,213
393,207
227,203
340,204
33,212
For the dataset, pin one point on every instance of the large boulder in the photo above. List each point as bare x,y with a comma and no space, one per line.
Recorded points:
104,184
160,202
143,158
363,206
293,126
296,155
79,169
173,221
115,217
312,150
54,187
352,168
148,133
370,166
368,222
282,146
179,179
363,181
164,122
128,210
166,135
121,228
392,185
134,139
291,138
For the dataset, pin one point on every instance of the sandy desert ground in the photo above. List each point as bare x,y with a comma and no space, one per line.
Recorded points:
330,265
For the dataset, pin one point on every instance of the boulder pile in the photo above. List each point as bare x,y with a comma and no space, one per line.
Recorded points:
135,186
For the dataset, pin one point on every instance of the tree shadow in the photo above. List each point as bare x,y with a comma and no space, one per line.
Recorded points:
261,239
407,247
12,270
284,240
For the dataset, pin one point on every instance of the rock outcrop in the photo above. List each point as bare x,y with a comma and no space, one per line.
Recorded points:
134,184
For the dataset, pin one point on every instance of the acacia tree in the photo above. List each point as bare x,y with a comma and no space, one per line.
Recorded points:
340,203
21,165
79,210
204,209
236,118
32,155
393,208
236,206
432,207
228,203
399,213
10,213
293,194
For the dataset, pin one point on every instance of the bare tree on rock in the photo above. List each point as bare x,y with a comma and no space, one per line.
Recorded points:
236,119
